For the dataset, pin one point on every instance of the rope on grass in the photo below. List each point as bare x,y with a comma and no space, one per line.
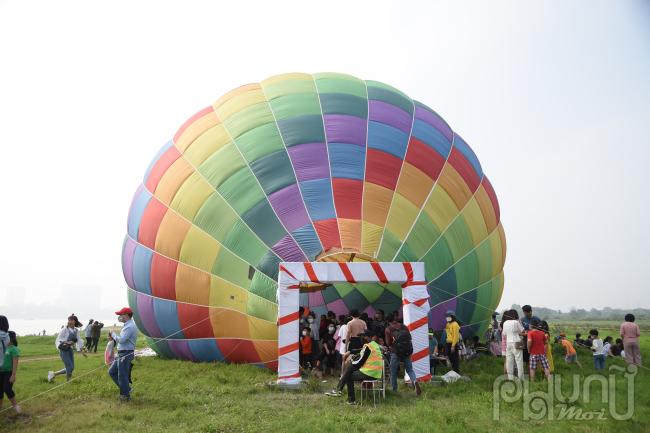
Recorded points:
110,363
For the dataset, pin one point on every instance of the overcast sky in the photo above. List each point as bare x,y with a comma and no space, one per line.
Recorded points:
553,97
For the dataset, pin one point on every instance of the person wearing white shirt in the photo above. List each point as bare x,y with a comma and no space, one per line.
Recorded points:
67,338
512,329
597,348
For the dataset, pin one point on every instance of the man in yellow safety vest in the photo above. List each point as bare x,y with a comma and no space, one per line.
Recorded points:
368,365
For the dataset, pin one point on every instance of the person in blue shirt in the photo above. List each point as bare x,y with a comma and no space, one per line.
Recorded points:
433,351
120,371
89,338
525,321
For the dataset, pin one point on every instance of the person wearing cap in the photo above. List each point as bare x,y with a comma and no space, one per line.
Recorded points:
368,366
453,335
121,368
571,354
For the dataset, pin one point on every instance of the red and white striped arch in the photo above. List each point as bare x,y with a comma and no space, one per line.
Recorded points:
415,299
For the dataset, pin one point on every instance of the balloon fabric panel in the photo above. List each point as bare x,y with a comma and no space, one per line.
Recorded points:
302,167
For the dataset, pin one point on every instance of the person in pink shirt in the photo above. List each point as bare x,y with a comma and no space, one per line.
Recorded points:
630,333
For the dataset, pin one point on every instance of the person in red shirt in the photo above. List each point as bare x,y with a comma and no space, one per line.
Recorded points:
537,341
305,349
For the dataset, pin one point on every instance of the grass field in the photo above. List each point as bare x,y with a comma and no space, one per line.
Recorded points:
182,396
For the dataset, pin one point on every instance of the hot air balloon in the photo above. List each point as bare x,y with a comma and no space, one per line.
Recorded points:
305,168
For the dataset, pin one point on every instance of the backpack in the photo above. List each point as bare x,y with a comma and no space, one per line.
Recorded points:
402,342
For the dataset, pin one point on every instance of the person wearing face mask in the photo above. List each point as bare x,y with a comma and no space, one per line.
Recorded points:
368,366
305,349
380,323
453,335
328,351
120,370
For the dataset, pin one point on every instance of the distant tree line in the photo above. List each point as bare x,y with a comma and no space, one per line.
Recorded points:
574,313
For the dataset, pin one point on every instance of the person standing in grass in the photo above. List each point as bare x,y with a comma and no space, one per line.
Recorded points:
453,336
4,336
630,334
8,371
65,342
355,326
95,333
305,348
525,321
398,340
512,330
87,334
504,342
329,349
339,336
433,351
597,348
120,370
537,342
543,325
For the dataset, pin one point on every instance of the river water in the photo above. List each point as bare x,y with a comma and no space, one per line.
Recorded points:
51,326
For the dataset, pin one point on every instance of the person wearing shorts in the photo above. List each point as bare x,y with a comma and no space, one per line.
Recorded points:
571,354
537,342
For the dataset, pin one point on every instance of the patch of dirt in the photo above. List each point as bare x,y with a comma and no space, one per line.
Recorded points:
22,418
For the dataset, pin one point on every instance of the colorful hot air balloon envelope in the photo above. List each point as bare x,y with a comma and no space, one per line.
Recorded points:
301,167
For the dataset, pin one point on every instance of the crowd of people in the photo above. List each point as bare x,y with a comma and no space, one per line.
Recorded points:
527,340
355,347
69,339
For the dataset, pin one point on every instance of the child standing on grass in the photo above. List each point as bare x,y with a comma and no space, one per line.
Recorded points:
597,348
8,371
537,343
305,348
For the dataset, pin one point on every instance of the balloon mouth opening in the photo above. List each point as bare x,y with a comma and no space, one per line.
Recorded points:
349,255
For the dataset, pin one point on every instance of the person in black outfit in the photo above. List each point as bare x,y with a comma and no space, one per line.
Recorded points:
380,323
329,349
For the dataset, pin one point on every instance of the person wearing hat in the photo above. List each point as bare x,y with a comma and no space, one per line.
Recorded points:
120,371
368,366
453,335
